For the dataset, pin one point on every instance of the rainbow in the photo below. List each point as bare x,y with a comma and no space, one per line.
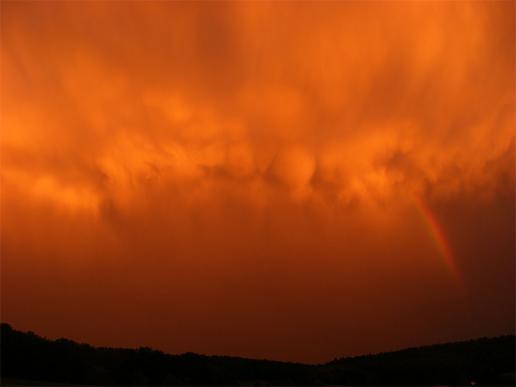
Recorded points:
438,236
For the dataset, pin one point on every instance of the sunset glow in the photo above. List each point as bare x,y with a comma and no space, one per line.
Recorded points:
282,180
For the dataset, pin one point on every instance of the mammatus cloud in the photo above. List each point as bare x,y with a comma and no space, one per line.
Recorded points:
244,178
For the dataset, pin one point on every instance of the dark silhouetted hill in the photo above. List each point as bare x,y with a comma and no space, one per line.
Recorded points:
27,357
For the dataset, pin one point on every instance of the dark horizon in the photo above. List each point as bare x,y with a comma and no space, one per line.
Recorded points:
29,359
359,355
352,356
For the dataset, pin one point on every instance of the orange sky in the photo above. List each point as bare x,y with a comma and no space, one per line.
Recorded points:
293,180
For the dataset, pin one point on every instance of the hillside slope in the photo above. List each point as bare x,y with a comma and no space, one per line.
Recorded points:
26,356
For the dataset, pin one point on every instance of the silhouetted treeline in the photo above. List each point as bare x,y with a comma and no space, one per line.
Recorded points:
26,356
485,361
